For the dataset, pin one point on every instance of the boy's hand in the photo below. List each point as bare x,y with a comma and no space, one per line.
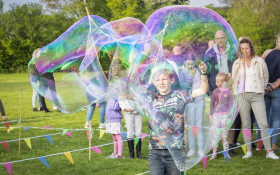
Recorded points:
203,67
97,105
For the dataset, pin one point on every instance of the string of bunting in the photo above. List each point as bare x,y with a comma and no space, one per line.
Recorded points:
225,152
8,165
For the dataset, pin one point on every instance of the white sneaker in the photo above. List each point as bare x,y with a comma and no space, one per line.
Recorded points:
271,155
101,125
112,156
190,153
87,125
200,153
249,154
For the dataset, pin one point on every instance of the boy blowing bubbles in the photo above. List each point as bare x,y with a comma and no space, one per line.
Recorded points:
167,124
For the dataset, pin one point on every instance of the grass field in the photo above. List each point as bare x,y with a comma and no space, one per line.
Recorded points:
10,85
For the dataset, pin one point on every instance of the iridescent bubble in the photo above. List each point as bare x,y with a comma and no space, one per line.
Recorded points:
178,122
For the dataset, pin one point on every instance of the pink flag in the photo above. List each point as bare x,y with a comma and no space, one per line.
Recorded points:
247,132
5,144
143,136
204,160
7,124
47,127
96,149
8,167
260,145
194,130
69,134
88,135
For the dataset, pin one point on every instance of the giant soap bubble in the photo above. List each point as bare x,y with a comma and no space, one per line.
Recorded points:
178,122
144,60
75,58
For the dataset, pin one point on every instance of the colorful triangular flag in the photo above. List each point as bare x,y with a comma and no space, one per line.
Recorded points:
8,167
102,132
260,145
69,157
96,149
225,153
5,144
49,138
185,172
44,161
244,149
69,134
88,134
47,127
10,129
26,128
194,130
136,140
28,142
64,131
204,161
7,124
143,136
269,131
247,132
124,135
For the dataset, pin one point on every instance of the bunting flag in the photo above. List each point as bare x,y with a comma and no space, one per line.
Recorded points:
69,157
204,161
102,132
96,149
5,144
28,142
49,138
143,136
269,131
26,128
8,167
247,132
10,129
136,142
88,134
260,145
185,172
44,161
64,131
47,127
7,124
225,153
194,130
124,135
69,134
244,149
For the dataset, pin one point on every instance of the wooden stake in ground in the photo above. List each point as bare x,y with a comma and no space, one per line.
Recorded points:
19,121
89,141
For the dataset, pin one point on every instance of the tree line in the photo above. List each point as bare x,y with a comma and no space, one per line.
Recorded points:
27,27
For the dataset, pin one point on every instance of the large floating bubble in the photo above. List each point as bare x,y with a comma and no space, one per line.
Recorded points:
142,62
188,127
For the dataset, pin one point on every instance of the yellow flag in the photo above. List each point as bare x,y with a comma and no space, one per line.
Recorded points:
10,129
244,149
28,142
102,132
69,157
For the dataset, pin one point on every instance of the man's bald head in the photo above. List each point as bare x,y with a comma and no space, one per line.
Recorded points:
220,39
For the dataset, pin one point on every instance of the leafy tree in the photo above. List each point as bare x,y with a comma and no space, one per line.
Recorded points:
257,19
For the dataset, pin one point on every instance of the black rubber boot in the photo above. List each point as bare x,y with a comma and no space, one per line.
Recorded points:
131,148
138,150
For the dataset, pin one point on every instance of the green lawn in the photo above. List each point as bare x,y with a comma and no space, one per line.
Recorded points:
10,85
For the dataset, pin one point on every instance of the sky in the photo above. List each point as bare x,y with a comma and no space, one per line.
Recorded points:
192,2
